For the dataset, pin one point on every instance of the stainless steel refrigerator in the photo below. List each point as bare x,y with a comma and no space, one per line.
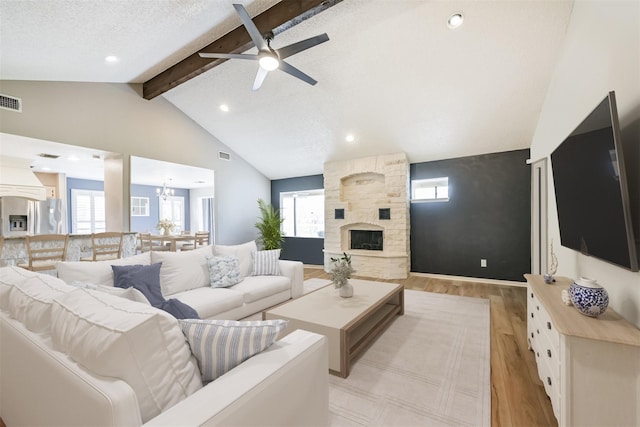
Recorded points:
47,217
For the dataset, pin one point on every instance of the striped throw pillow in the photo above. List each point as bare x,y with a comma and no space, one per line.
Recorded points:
221,345
265,263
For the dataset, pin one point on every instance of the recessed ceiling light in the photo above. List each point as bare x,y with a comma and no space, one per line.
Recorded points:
111,59
455,20
46,168
350,138
73,158
224,107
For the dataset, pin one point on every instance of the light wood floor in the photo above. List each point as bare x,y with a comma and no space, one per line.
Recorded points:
517,394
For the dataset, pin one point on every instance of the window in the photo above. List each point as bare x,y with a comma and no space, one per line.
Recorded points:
173,209
87,211
434,189
139,206
303,213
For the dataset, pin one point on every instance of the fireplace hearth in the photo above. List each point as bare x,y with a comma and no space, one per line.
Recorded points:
369,240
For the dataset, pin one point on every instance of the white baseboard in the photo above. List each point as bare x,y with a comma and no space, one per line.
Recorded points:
472,279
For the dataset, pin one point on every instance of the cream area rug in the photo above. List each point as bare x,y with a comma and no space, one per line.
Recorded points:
430,367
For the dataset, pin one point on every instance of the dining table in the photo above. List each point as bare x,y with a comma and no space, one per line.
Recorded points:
173,239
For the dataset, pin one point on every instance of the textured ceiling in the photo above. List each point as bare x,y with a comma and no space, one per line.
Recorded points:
393,73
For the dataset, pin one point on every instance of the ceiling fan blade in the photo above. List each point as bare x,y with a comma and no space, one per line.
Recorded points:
292,49
290,69
253,31
262,73
228,55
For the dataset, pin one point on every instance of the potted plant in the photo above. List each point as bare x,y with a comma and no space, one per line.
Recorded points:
270,234
341,272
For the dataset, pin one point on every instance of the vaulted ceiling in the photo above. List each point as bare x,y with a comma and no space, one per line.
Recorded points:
393,74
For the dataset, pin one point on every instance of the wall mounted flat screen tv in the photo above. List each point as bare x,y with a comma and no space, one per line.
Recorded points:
591,189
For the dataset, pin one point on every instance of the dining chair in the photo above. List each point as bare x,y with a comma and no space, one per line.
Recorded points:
44,251
201,238
147,244
105,246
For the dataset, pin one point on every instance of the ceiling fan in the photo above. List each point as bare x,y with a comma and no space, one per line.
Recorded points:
268,57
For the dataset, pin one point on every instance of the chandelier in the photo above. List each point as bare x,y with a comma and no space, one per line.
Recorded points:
165,192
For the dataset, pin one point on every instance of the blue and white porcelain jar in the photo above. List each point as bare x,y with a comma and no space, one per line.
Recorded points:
589,297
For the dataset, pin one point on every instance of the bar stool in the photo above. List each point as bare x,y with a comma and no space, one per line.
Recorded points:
45,250
105,246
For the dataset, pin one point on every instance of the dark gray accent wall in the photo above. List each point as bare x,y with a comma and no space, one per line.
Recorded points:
307,250
487,217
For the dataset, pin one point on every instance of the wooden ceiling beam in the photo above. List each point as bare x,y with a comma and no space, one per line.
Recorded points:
278,18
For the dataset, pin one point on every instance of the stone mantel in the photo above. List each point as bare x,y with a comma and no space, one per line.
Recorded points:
361,187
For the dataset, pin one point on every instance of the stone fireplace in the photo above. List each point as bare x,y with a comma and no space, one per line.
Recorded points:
367,215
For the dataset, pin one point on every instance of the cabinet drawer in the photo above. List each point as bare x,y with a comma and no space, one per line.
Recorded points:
537,312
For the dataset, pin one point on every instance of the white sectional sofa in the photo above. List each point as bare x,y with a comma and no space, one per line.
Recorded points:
80,355
185,276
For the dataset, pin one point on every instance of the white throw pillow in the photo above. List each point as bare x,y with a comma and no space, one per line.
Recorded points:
221,345
96,272
242,252
30,301
9,276
114,337
266,263
182,271
132,294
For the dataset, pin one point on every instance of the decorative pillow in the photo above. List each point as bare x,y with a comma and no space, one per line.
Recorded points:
266,263
146,279
97,272
182,271
221,345
139,344
132,294
243,252
224,271
10,276
30,301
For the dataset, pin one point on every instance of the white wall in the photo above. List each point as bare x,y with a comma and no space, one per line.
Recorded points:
114,117
601,53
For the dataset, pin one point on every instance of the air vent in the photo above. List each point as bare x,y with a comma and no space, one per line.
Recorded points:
10,103
224,156
48,156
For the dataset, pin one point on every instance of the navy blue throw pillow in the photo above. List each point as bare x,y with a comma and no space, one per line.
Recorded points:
146,279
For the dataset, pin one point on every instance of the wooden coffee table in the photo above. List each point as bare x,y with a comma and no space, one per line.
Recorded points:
350,324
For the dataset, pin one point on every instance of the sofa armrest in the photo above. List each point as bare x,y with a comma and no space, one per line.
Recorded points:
285,385
41,386
294,270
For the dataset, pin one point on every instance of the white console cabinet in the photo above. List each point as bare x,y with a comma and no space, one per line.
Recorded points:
590,367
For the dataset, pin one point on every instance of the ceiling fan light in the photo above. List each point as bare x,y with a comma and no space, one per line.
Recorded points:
269,63
455,20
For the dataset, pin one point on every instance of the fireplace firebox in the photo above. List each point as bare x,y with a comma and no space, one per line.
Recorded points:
370,240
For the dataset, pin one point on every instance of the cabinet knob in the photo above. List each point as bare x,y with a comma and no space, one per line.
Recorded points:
538,331
538,307
548,380
531,294
549,325
532,315
537,354
532,336
548,352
